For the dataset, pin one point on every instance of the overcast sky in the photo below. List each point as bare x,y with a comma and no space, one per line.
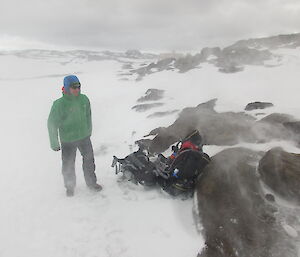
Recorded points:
145,24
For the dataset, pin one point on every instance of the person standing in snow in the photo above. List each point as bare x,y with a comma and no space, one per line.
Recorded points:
70,120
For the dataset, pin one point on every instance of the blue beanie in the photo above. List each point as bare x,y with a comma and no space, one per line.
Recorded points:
69,81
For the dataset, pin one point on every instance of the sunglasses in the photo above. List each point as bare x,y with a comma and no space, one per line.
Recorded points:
75,86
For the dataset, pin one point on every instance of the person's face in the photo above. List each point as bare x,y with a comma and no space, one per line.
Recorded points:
74,90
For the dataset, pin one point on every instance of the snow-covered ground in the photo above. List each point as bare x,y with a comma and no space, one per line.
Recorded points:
36,219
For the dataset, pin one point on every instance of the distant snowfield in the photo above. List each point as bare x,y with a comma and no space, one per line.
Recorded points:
36,218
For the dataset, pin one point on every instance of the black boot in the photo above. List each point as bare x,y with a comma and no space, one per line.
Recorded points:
70,192
96,187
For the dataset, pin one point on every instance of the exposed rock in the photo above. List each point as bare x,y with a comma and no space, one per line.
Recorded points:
65,57
258,105
141,71
125,74
227,128
146,107
218,129
188,62
231,68
158,66
206,52
136,54
293,126
277,118
287,41
280,170
161,114
143,143
139,78
164,63
209,105
272,127
172,54
157,131
270,197
237,220
183,64
259,114
152,94
231,59
133,53
127,66
239,56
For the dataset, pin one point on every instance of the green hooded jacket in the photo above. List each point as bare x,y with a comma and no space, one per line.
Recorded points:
69,119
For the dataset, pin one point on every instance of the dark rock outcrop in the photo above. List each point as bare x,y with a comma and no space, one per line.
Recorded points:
230,59
152,94
237,220
258,105
275,125
133,53
270,197
280,171
231,68
207,52
293,126
127,66
164,64
65,57
247,56
160,65
188,62
219,129
146,107
161,114
239,56
260,114
227,128
274,42
277,118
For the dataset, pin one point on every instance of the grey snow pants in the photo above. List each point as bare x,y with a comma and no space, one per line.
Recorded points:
68,162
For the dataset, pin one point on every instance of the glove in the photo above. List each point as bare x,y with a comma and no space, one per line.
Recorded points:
56,149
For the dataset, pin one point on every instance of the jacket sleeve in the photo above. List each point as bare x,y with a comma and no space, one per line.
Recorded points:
89,116
53,125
